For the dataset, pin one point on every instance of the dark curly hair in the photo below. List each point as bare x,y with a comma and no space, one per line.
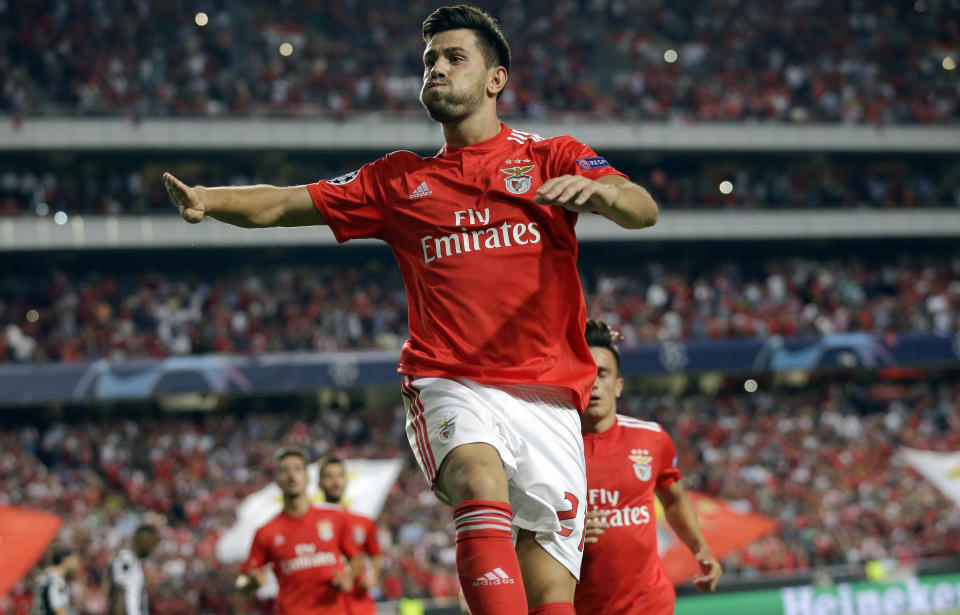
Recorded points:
600,335
493,44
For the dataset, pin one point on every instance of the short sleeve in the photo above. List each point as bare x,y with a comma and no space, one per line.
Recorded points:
57,594
575,158
258,553
669,472
354,205
348,545
372,544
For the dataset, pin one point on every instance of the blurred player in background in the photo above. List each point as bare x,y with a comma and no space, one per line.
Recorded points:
128,586
303,545
628,462
50,593
363,531
496,367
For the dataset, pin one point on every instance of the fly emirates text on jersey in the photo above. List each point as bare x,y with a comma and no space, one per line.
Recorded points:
489,237
607,501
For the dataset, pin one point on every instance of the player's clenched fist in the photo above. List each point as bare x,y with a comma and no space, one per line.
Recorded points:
576,193
186,198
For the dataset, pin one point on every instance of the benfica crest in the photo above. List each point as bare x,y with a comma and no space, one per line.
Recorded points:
447,428
325,530
518,181
641,464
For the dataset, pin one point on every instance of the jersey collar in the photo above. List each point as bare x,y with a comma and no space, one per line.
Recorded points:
480,147
609,433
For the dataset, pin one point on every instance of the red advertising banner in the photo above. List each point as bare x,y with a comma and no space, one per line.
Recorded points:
24,536
725,529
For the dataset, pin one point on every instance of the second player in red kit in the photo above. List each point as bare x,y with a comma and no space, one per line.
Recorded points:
629,463
363,532
305,545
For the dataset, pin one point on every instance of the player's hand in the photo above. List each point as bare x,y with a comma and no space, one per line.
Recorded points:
595,525
576,193
343,582
711,570
247,584
185,197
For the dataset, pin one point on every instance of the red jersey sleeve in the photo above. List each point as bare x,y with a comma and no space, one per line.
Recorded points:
348,546
669,473
258,553
575,158
354,205
372,544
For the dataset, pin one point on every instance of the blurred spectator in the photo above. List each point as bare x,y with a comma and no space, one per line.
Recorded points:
107,184
682,60
76,317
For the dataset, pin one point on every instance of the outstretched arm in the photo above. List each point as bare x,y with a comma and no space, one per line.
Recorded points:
611,196
246,206
683,519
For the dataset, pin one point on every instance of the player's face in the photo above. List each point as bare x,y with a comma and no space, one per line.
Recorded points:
144,543
606,388
292,476
455,75
333,482
72,563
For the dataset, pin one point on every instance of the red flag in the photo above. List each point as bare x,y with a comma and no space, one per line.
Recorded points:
24,536
724,528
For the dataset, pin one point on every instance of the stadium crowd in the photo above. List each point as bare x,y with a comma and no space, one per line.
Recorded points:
115,185
800,60
821,461
76,317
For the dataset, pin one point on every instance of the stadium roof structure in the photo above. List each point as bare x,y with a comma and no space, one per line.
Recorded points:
169,231
423,135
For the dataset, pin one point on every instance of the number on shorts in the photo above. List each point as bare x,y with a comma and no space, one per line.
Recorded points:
569,514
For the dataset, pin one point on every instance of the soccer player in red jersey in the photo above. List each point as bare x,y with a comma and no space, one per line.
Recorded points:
303,545
363,531
496,367
628,462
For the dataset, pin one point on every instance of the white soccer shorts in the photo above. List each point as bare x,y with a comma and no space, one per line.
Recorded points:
536,430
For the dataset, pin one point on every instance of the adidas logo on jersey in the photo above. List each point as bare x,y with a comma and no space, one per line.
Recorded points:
421,191
495,577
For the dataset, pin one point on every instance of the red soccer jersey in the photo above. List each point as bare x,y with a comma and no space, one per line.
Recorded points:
363,531
306,555
491,278
622,572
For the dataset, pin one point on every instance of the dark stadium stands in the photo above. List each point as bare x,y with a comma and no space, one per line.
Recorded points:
123,183
80,312
796,61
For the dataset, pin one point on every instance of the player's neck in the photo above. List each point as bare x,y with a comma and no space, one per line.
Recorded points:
296,506
472,129
599,426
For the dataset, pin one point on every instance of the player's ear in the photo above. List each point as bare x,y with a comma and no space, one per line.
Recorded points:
497,81
619,388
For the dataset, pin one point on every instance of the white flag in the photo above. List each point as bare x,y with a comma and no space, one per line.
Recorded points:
368,483
941,469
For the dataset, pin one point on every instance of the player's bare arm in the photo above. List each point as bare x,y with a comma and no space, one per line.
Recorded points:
372,578
681,516
116,601
245,206
595,525
611,196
